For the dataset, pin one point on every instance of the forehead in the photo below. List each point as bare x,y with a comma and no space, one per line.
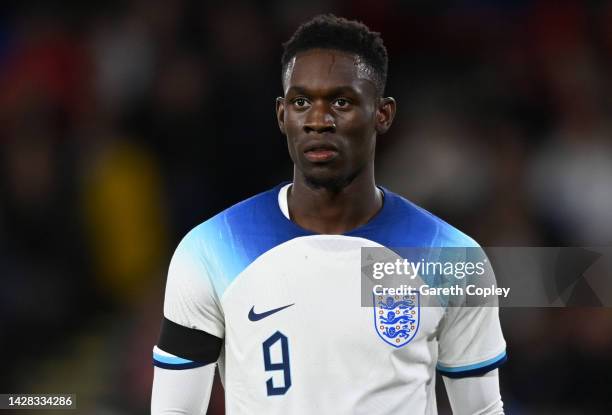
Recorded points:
326,69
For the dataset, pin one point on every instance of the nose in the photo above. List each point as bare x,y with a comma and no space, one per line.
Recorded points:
319,119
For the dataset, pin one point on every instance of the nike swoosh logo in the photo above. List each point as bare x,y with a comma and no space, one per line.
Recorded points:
253,316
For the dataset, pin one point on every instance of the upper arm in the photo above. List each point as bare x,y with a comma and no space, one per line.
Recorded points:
475,394
470,340
193,324
182,391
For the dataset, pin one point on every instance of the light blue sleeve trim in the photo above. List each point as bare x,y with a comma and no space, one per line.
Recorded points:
171,360
488,362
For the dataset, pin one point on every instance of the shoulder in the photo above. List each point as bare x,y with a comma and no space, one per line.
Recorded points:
245,217
227,243
412,225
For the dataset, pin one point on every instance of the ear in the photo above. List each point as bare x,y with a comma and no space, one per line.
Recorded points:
385,113
280,113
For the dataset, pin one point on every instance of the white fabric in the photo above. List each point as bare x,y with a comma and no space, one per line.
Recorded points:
283,202
335,353
182,392
190,299
475,395
466,336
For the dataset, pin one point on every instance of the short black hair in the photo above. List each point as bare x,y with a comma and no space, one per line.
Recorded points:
327,31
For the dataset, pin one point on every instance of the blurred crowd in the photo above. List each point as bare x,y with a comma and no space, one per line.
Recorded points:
125,124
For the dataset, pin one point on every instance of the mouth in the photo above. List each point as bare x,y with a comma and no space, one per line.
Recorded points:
320,152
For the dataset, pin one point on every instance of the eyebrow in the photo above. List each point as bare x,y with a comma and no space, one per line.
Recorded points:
301,90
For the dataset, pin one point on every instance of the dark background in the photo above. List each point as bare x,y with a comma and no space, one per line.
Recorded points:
125,124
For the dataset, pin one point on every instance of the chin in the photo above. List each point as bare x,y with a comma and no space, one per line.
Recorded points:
333,182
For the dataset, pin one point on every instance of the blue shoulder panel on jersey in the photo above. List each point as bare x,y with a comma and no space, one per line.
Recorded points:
228,242
476,369
401,223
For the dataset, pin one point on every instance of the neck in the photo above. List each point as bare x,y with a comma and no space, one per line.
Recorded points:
334,211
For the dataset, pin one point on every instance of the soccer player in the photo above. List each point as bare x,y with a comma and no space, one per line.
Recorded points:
269,289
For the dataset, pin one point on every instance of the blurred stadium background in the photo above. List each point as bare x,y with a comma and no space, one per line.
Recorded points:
124,124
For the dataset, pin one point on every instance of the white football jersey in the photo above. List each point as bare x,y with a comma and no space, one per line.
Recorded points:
296,338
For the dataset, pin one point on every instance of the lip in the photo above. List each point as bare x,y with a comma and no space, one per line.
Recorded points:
320,156
320,145
320,152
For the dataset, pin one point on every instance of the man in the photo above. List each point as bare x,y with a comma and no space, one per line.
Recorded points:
269,288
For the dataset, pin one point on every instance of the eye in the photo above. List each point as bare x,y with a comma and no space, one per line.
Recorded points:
341,103
300,102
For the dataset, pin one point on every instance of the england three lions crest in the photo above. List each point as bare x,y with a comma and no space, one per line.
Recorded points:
396,318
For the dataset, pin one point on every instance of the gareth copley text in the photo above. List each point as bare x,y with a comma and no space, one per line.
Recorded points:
469,290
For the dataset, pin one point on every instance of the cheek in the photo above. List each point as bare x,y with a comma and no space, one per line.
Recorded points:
363,118
291,133
362,133
361,126
292,123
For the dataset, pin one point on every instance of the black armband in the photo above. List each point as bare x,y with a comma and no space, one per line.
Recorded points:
190,347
